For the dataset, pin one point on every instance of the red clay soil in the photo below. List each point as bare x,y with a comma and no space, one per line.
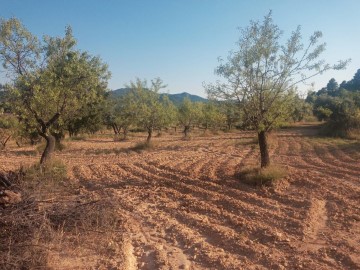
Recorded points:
183,206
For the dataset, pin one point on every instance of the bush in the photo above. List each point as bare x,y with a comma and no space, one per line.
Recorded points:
341,112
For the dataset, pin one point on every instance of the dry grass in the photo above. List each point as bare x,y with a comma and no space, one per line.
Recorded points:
56,217
262,176
144,146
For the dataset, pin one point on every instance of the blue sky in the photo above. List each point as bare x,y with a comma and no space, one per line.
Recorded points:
180,40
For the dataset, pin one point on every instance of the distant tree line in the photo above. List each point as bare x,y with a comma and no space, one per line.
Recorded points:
339,106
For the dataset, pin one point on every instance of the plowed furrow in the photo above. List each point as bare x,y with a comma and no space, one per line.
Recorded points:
190,166
99,172
226,166
224,200
116,171
148,251
218,215
83,172
327,157
221,238
294,144
218,188
320,183
317,165
182,236
342,155
228,225
317,159
250,158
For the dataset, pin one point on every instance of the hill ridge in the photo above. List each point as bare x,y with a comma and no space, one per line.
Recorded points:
175,98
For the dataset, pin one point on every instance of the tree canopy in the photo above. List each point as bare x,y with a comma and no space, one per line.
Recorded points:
50,80
261,75
153,111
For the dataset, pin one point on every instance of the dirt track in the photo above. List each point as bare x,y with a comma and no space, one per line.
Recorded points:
183,208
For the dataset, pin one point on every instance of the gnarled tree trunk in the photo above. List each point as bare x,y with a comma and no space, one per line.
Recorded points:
264,149
49,148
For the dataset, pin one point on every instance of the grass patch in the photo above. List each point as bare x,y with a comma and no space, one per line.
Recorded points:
42,181
144,146
78,138
55,220
115,151
246,141
262,176
26,153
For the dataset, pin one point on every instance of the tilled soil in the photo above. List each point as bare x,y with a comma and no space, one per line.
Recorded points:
184,207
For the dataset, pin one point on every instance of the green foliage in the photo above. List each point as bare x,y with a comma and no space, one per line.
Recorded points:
212,117
339,106
53,81
152,110
189,114
261,75
89,118
9,127
120,114
300,109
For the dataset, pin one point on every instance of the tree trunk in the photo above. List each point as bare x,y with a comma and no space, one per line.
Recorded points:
58,137
116,129
125,133
5,141
264,149
148,139
186,131
49,148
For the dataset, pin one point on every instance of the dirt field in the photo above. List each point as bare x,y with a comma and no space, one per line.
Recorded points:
182,206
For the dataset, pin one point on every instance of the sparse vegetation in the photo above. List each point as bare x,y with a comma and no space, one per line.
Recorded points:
262,176
149,180
54,218
148,145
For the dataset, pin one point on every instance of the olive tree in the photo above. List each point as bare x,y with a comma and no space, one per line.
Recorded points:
211,116
189,114
261,75
50,80
121,114
8,128
153,110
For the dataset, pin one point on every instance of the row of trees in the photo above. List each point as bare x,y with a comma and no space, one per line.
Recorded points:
145,108
54,87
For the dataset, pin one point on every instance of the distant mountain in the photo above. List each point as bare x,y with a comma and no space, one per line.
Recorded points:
119,92
175,98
